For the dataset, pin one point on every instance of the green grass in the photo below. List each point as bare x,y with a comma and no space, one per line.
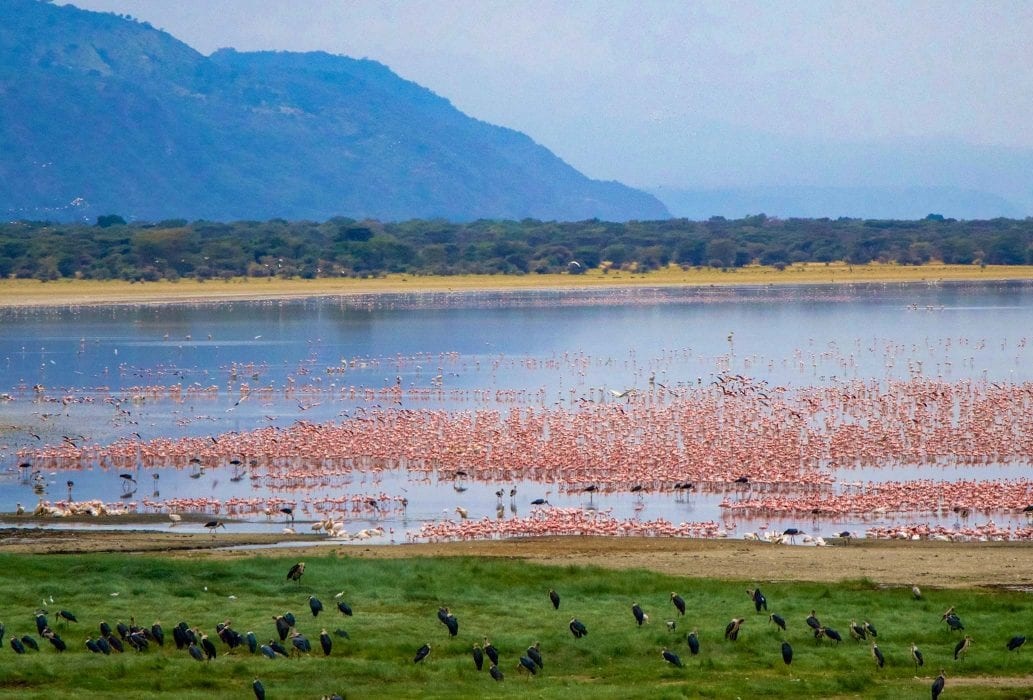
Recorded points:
395,603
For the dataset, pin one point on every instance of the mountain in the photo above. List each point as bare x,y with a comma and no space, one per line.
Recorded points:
103,114
812,202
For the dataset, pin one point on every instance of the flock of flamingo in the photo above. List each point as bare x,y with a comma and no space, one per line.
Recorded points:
766,451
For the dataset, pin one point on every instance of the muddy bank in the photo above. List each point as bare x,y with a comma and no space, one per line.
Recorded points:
885,563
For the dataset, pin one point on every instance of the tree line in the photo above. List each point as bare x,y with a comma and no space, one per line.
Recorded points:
111,248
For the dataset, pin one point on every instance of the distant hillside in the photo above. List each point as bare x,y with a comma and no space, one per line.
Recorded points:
103,114
818,202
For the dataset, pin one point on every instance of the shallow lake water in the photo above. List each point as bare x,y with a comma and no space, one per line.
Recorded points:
95,375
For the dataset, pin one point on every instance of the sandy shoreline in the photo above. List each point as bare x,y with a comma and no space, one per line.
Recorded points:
33,293
884,563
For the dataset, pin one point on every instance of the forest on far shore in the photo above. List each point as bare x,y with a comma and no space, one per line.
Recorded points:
111,248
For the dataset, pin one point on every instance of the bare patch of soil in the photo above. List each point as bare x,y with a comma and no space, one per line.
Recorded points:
68,541
927,564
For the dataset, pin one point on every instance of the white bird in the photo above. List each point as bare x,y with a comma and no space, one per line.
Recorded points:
175,518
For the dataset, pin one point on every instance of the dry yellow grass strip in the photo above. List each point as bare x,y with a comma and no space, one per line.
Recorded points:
89,292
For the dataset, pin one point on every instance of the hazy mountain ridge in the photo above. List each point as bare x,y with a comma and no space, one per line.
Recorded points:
804,201
116,116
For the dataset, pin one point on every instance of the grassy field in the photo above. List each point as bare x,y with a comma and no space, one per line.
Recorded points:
64,292
395,604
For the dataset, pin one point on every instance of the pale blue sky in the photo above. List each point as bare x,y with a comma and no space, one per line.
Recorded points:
684,94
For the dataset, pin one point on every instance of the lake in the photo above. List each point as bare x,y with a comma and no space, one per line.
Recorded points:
87,378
